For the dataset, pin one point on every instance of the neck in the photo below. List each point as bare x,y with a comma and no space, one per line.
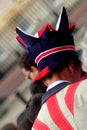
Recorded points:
64,75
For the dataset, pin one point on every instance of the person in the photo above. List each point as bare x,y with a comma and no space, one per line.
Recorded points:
64,105
83,56
28,66
84,53
33,107
23,123
9,126
83,73
30,70
26,119
36,88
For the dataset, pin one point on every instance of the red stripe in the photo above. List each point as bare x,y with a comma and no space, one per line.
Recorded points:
40,32
84,77
57,115
21,41
38,125
41,74
51,51
71,26
69,97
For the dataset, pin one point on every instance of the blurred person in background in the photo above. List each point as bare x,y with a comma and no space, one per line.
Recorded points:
30,70
84,56
26,119
83,73
23,123
33,106
65,102
28,66
9,126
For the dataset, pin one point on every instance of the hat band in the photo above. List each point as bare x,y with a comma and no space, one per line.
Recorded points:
51,51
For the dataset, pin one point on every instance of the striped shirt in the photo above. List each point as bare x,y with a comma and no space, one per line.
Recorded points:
65,109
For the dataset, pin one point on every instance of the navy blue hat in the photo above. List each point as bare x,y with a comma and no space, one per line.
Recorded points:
37,35
49,49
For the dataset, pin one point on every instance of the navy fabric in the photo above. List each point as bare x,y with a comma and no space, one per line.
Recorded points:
54,90
49,39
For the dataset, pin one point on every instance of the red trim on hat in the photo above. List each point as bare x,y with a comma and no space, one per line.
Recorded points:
53,50
42,73
21,41
71,26
40,32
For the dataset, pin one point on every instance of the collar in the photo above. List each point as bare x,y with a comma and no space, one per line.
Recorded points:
54,90
56,83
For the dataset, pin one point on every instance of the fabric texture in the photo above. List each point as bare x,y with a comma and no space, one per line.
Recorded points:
56,113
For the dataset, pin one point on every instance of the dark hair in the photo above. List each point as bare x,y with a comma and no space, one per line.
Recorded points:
65,63
26,61
9,126
37,88
23,123
34,106
26,119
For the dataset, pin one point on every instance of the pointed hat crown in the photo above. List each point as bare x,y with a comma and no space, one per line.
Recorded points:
50,46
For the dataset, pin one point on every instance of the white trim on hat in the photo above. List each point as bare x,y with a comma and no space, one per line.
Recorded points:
59,20
51,51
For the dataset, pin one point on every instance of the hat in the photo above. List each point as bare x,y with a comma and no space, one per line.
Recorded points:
49,49
37,35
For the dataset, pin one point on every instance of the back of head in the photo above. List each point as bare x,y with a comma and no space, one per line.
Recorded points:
84,53
9,126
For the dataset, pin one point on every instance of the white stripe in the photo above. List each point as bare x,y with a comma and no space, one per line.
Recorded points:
59,18
36,35
32,129
52,52
46,119
26,32
80,105
67,114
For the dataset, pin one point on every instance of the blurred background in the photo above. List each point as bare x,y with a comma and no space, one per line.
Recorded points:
30,15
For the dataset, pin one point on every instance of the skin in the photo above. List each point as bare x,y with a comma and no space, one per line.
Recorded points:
31,73
70,73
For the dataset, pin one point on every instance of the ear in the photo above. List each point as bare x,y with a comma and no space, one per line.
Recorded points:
45,81
71,67
32,68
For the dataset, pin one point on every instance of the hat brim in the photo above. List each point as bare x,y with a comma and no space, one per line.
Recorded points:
41,74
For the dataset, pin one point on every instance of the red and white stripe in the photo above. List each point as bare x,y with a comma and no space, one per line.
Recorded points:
53,50
55,115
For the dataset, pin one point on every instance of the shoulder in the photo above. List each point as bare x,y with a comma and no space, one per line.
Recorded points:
80,95
80,105
82,88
